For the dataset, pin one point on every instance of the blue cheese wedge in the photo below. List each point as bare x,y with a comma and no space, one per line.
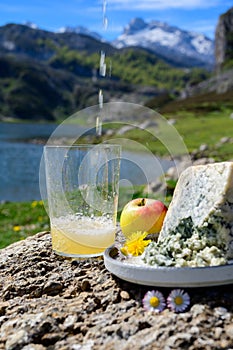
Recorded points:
198,227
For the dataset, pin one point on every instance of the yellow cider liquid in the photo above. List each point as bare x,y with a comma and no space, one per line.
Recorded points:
84,237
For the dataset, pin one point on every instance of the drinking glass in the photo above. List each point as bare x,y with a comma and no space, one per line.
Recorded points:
82,187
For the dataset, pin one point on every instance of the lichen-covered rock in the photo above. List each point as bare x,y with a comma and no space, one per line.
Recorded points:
48,302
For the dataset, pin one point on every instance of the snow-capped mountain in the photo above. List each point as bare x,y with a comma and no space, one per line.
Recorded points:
31,25
80,30
183,47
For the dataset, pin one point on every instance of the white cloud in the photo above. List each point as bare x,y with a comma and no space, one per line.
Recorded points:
161,4
204,26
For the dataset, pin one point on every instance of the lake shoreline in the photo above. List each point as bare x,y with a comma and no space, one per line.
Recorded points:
21,152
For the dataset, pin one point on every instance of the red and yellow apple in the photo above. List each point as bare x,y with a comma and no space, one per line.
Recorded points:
142,214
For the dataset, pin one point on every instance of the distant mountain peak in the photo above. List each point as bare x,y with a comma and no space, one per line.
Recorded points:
79,30
31,25
188,48
136,24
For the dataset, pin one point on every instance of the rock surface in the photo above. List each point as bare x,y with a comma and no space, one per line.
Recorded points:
223,38
48,302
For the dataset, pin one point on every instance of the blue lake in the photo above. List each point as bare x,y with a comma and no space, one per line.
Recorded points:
20,162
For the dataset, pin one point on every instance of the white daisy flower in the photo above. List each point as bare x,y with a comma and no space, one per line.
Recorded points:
178,300
154,301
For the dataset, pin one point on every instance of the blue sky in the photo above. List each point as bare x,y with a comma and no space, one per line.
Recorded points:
194,15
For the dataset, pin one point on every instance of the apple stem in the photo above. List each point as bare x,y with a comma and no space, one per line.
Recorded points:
142,203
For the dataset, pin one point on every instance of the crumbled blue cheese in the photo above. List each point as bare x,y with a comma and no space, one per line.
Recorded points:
198,227
187,246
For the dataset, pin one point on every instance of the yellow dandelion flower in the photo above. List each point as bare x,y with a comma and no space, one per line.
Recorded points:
17,228
34,204
136,244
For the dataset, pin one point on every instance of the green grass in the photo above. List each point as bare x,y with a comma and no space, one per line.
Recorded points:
19,220
194,128
202,119
207,129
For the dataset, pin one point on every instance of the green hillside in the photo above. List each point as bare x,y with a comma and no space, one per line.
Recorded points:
132,65
46,75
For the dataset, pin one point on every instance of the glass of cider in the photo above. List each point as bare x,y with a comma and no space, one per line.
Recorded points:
82,184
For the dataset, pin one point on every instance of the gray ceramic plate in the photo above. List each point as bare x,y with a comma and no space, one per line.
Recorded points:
168,276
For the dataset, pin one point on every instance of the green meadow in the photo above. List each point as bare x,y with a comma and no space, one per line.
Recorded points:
207,129
195,129
19,220
22,219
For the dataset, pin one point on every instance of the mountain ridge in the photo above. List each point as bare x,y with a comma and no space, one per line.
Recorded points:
181,47
189,47
47,75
